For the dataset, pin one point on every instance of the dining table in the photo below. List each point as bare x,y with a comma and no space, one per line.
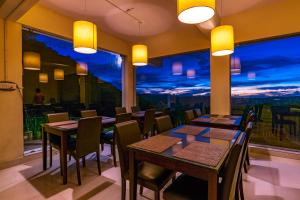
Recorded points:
65,129
218,121
197,151
141,114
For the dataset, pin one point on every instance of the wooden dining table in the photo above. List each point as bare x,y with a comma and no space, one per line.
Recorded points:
64,129
218,121
171,157
141,114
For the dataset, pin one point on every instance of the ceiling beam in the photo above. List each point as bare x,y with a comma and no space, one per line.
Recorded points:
14,9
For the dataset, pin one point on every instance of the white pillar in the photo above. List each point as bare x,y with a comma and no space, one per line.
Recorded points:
128,84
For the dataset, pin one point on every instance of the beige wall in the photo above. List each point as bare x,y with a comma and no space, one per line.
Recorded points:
11,111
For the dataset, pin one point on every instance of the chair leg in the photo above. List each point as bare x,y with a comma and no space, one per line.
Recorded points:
245,168
241,189
102,146
83,161
98,162
60,165
78,171
50,155
157,195
247,156
113,152
123,189
141,190
70,157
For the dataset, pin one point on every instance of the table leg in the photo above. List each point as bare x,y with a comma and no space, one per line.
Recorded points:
213,187
132,175
44,147
63,154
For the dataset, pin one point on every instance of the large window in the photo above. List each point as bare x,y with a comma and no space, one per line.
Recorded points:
179,82
99,89
266,76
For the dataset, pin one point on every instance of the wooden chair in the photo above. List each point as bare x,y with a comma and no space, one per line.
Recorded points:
87,141
88,113
187,187
148,123
163,123
150,176
54,140
120,110
189,116
135,109
108,137
197,112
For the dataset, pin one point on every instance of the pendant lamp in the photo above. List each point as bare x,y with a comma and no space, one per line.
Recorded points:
59,74
222,40
31,60
195,11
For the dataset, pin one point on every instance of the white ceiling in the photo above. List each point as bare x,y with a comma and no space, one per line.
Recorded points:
157,16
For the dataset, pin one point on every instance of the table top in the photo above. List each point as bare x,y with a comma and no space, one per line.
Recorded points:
205,135
140,114
230,120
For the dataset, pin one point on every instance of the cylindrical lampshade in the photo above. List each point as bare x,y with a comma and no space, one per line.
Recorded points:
191,73
31,60
177,68
195,11
59,74
81,69
222,40
139,55
43,77
85,37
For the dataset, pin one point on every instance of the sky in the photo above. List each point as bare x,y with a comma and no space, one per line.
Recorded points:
267,68
104,65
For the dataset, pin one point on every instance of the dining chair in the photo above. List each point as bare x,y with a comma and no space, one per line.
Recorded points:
197,112
189,116
120,110
54,140
135,109
163,123
186,187
148,123
149,175
86,142
88,113
108,137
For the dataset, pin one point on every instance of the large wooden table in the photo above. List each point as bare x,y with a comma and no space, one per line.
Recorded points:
141,114
218,121
167,160
64,129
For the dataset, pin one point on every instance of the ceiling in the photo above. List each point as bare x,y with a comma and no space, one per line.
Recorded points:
157,16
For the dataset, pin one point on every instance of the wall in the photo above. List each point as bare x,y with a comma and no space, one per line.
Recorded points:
11,103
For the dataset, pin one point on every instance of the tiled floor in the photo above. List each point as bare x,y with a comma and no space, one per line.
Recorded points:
269,178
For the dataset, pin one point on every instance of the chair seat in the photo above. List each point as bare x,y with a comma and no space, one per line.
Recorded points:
153,173
107,136
55,141
186,188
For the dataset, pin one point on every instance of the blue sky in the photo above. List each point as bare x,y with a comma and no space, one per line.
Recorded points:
268,68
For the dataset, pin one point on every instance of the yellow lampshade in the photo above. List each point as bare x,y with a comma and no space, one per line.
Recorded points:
81,69
31,60
139,55
43,77
85,37
195,11
222,40
59,74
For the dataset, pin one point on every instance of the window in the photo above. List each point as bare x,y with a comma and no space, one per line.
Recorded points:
179,82
266,76
100,89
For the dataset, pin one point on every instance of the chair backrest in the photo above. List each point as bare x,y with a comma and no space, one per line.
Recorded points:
120,110
232,169
88,113
126,133
248,135
148,121
123,117
163,123
88,135
188,116
135,109
58,117
197,112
